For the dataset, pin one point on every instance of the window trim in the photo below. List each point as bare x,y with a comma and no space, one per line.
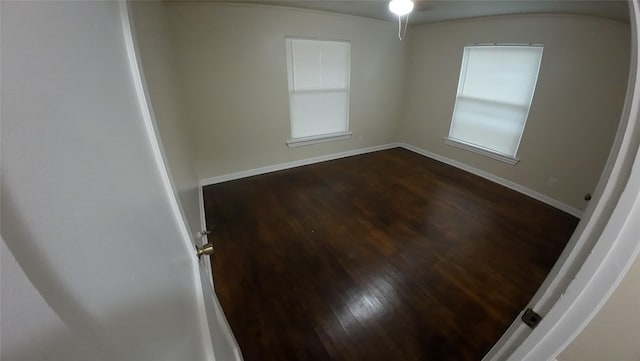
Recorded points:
321,138
326,137
506,158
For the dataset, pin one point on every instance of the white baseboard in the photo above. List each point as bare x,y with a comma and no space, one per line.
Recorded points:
323,158
296,163
494,178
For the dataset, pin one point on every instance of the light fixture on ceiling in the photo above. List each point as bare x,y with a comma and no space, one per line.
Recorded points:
401,8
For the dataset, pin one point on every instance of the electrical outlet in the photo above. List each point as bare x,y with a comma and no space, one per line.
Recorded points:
551,182
361,138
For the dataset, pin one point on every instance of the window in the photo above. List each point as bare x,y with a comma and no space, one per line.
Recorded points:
495,91
318,73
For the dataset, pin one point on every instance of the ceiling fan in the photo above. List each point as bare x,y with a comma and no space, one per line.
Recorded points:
404,8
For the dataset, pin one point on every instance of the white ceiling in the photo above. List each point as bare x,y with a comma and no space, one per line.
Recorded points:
443,10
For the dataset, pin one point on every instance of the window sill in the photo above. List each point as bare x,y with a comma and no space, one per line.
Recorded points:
482,151
299,142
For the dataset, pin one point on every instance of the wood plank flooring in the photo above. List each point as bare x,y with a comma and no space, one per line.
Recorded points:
383,256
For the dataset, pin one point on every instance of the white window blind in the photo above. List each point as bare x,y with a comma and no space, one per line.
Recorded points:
495,91
318,73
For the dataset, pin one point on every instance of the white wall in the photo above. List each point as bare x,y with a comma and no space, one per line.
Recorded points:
21,338
575,110
613,333
231,60
151,26
85,213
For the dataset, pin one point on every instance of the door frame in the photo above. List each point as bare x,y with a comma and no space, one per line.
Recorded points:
602,248
209,267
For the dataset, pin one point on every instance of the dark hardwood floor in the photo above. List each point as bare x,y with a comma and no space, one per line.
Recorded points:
383,256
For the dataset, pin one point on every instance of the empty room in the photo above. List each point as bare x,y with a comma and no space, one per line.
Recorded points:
434,229
320,180
362,201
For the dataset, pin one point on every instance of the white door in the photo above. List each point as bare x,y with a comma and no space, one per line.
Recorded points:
222,339
97,262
